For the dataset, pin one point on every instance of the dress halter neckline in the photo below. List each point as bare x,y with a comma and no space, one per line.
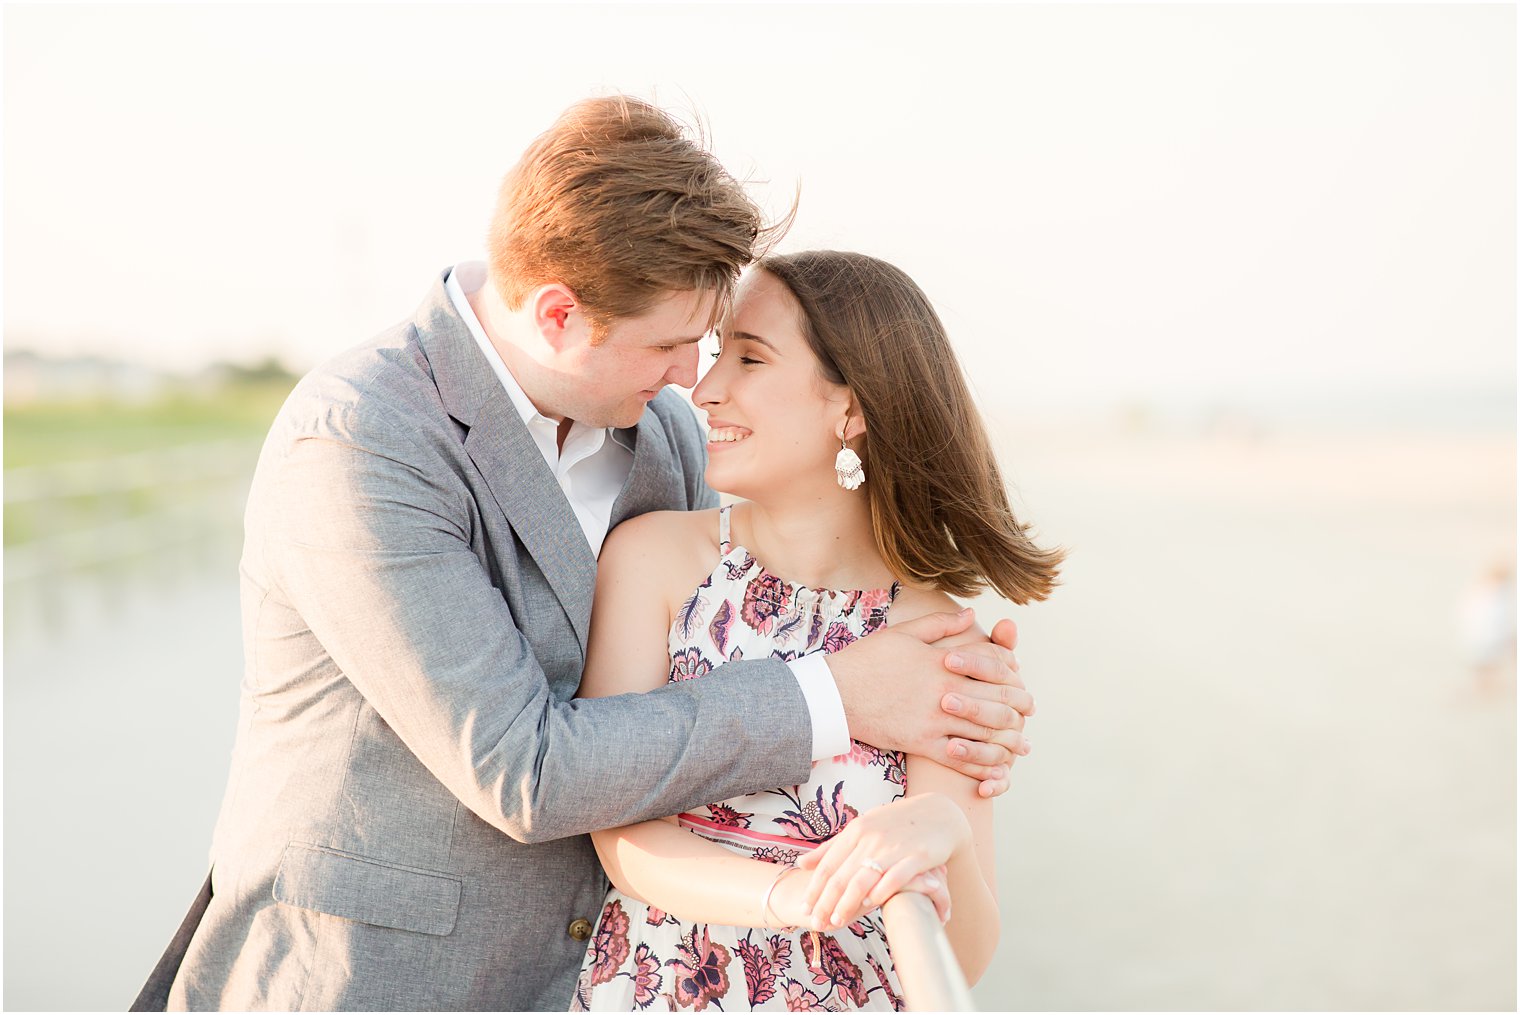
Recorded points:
729,548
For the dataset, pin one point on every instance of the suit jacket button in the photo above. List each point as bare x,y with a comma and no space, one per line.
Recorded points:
580,928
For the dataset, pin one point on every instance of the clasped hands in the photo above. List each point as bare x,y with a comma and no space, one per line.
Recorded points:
959,703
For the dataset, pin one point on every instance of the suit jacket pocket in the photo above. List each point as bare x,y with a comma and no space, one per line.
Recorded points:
367,890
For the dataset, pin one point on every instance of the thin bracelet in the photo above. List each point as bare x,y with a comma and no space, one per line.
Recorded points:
765,900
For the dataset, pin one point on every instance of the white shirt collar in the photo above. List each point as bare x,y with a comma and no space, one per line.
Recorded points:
466,278
590,469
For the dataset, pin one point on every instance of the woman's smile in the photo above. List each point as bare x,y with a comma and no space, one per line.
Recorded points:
722,433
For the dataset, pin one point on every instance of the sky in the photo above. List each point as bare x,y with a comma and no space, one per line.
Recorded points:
1108,204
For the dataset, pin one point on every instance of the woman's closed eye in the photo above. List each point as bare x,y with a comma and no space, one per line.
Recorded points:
746,360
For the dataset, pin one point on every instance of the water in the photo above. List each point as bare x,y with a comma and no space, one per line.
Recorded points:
121,703
1261,779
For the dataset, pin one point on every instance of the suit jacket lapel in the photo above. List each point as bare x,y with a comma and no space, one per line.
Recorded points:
508,459
653,483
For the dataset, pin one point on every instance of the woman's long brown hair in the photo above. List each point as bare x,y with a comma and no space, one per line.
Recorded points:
938,505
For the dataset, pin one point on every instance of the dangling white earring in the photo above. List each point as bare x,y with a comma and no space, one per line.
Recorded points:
847,467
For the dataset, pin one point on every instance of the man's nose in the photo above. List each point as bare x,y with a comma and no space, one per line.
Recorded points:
683,373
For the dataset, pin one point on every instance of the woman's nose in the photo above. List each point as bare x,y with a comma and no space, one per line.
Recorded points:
709,390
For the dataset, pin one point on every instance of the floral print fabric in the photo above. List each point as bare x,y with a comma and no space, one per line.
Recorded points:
642,959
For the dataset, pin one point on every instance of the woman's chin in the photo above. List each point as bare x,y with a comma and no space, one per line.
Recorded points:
725,482
717,484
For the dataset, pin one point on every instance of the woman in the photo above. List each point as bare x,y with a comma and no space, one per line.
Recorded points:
838,414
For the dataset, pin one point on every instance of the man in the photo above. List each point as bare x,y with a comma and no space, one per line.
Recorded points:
404,823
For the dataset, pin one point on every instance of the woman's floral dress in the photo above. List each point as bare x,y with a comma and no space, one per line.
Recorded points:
641,958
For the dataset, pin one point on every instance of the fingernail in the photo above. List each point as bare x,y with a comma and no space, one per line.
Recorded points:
834,920
1027,747
964,611
957,750
932,884
954,703
955,659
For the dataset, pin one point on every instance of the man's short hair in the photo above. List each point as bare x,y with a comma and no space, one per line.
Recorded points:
621,204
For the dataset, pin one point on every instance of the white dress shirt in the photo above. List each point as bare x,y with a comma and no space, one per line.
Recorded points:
591,469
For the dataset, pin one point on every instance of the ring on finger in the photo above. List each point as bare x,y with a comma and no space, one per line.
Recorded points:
870,863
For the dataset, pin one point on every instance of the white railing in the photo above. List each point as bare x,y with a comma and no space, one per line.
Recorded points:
87,513
926,965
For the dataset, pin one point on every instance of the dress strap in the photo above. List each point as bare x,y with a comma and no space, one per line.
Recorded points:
724,544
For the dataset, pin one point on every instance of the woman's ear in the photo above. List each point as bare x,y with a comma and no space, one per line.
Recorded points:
854,423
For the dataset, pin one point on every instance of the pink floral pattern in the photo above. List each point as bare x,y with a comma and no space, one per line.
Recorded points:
763,965
722,621
723,814
838,636
641,957
609,947
765,598
885,983
799,998
830,965
700,969
819,820
688,665
646,976
777,854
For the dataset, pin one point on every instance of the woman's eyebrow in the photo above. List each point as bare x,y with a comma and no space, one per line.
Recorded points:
746,336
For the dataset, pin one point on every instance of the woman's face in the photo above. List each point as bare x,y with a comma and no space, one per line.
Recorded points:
774,418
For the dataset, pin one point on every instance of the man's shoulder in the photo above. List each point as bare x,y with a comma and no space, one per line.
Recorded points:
376,387
687,442
677,417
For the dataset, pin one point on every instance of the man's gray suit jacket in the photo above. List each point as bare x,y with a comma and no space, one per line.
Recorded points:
404,825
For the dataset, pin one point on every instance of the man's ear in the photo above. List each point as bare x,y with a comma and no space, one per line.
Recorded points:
557,315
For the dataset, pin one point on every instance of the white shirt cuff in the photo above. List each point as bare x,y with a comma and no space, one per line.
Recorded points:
831,734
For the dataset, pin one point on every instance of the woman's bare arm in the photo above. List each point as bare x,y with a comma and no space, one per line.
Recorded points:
647,567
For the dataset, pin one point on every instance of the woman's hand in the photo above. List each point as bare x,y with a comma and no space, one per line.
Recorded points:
881,853
934,884
790,906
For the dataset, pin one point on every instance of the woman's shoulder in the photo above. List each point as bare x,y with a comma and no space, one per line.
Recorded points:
912,603
680,545
692,531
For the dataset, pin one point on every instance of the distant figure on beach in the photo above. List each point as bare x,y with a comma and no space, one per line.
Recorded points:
405,822
1486,618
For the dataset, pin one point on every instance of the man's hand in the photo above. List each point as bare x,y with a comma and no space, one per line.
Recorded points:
963,707
998,661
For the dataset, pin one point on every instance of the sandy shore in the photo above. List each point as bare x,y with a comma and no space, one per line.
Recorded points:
1261,777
